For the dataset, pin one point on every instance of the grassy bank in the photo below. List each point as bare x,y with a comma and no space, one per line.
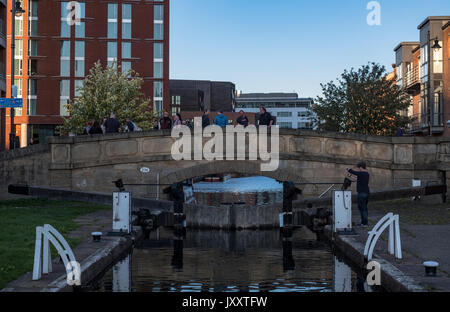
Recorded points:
415,212
18,221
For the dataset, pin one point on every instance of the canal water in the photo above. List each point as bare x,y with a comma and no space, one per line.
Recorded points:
215,261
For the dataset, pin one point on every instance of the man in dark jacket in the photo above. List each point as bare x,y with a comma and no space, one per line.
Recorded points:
205,119
165,123
112,125
362,187
242,119
265,118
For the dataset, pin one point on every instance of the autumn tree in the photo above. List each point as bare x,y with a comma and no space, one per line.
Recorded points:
362,101
105,91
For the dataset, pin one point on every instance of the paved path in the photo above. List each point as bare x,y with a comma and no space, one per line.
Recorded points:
419,243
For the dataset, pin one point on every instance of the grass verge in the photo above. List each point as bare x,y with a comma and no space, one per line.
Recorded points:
18,221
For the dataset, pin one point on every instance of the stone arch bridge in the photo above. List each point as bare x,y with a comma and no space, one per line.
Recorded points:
91,163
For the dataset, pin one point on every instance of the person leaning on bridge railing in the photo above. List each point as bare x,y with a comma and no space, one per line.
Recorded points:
362,187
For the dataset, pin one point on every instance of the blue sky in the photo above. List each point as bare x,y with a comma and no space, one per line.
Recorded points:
287,45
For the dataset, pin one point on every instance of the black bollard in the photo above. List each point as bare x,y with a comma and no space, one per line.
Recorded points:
288,259
289,195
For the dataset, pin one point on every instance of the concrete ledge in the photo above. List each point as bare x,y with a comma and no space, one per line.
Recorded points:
97,262
392,279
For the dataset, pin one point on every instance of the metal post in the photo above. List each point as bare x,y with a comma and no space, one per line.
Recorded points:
12,134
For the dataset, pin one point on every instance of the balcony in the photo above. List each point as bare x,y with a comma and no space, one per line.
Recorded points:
420,125
412,81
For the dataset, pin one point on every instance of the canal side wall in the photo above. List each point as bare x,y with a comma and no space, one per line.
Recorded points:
91,163
392,279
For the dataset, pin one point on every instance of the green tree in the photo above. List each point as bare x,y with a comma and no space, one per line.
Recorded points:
362,101
105,91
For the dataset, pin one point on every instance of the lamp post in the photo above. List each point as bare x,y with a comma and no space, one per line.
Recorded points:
434,48
16,11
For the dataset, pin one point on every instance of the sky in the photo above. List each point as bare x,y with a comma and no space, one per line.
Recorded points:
288,45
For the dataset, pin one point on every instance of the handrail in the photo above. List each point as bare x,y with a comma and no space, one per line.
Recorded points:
394,244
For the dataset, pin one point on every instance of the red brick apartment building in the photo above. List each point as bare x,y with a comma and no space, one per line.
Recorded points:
423,71
52,57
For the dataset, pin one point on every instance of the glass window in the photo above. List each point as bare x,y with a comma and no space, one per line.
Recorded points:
438,58
158,106
78,86
112,11
159,12
112,30
126,30
19,48
126,50
32,67
18,83
65,49
79,49
79,68
158,70
65,29
158,50
31,107
126,11
159,31
64,88
18,67
126,66
32,48
33,8
80,30
32,87
19,27
32,27
112,50
158,89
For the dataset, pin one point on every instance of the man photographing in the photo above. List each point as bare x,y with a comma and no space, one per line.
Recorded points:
362,187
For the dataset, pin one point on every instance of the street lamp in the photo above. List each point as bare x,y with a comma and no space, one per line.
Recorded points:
436,47
16,11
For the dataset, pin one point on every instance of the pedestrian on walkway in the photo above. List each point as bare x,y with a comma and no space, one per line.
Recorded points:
242,119
165,123
221,120
205,119
362,187
112,125
177,121
265,118
96,129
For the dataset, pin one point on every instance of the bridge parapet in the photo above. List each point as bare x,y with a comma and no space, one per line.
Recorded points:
92,162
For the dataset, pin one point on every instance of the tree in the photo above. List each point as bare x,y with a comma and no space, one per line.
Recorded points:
107,91
362,101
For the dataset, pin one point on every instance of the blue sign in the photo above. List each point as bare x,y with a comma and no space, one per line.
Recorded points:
11,103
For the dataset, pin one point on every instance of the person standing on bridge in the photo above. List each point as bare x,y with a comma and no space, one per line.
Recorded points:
362,186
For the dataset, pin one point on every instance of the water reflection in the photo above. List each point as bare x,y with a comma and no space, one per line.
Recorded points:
212,261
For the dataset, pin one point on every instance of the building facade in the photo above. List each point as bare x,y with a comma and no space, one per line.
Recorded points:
290,111
422,70
2,70
57,42
198,95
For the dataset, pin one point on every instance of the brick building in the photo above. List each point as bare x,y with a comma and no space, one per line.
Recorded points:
53,57
423,71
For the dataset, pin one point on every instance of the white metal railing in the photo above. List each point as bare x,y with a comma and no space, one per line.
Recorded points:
42,254
394,243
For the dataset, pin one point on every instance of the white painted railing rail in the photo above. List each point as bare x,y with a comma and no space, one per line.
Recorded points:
42,255
394,243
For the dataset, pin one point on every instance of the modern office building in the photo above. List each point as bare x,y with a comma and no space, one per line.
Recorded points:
198,95
290,110
54,53
423,71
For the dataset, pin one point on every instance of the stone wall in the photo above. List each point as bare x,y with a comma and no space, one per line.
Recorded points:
91,163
